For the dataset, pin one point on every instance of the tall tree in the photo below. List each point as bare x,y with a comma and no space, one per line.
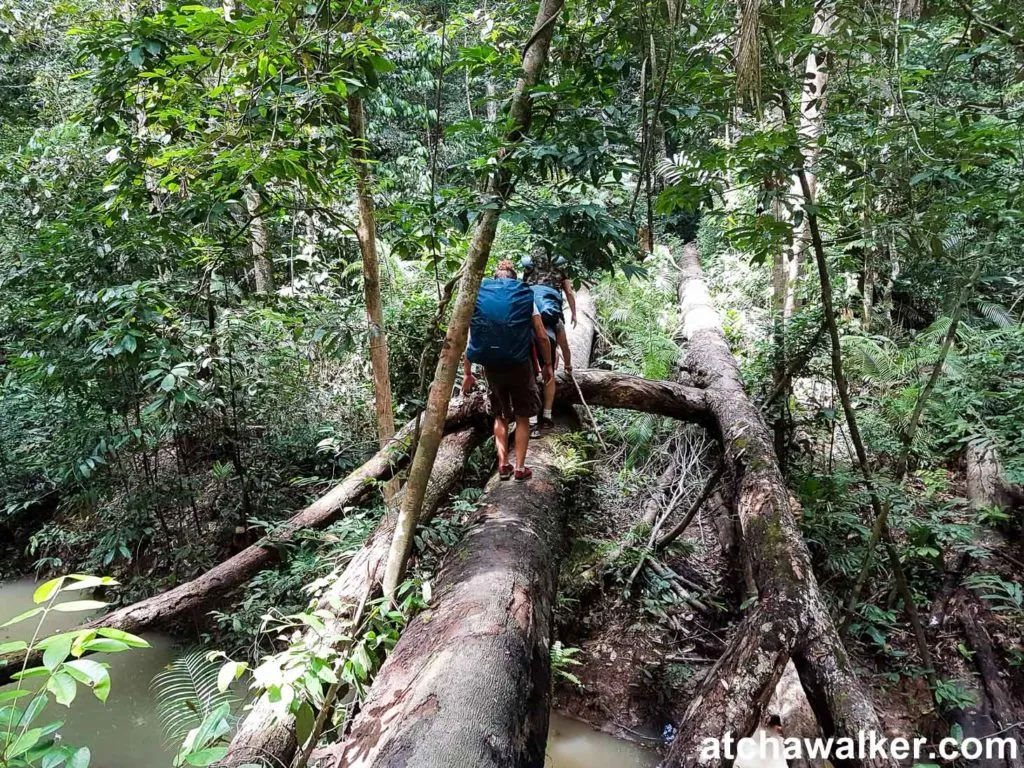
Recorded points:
367,233
809,126
499,188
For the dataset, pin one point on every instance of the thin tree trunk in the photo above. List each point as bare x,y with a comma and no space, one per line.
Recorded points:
262,269
790,617
499,189
879,526
367,234
810,122
264,739
469,682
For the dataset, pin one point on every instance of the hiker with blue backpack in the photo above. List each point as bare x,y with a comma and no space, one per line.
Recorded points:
549,282
505,323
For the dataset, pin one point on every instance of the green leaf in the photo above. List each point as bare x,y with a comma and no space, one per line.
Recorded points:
89,582
32,710
17,693
167,384
230,672
206,757
57,651
135,56
45,591
80,605
22,617
62,686
106,645
80,759
125,637
13,647
24,743
305,719
91,673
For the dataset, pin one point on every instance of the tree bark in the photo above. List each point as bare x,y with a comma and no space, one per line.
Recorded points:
468,683
366,231
262,268
198,594
264,739
996,710
809,125
621,390
790,618
986,486
498,190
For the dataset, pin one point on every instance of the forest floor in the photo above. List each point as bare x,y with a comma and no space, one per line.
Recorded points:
640,654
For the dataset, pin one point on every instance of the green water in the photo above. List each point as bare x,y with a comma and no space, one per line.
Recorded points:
124,732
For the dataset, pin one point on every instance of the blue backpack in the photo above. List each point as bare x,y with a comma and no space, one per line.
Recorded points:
501,331
549,304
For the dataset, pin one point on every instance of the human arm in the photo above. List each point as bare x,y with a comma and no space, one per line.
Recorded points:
570,297
541,334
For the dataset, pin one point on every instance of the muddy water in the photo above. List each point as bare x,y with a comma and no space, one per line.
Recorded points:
123,733
573,744
126,733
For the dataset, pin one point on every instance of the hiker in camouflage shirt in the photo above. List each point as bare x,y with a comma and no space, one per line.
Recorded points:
540,269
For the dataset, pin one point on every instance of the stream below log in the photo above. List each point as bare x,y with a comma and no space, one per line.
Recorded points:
125,732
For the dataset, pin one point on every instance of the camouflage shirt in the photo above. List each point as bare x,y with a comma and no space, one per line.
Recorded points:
544,273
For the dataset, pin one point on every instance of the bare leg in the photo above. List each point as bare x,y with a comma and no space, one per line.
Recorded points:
549,388
563,344
522,440
501,439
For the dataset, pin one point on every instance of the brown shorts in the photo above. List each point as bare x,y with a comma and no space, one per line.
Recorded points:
513,390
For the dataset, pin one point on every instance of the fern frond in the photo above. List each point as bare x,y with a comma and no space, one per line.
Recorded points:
872,359
186,692
996,314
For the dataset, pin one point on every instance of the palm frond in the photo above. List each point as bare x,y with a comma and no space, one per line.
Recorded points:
186,692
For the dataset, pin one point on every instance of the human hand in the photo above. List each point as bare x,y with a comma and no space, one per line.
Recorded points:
546,373
468,383
573,319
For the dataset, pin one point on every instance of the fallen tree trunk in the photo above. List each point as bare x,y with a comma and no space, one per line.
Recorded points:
201,592
620,390
469,682
790,618
263,738
986,485
995,710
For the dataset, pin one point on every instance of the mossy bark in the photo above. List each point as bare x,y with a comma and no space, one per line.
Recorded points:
790,618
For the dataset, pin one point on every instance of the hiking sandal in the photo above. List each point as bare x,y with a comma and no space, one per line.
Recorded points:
505,472
524,474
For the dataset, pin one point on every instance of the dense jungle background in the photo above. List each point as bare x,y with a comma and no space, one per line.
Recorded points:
239,244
